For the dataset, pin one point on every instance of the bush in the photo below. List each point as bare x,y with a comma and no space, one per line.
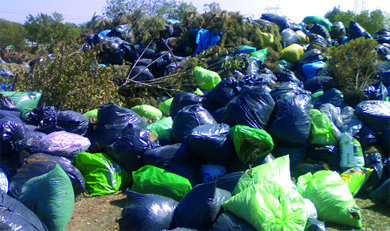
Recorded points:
353,67
73,80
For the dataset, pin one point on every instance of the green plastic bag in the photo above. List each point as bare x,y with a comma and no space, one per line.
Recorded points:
102,175
25,102
250,143
331,196
318,20
356,177
51,197
91,113
292,53
198,92
321,129
269,206
206,79
147,111
155,180
165,106
277,171
260,54
162,128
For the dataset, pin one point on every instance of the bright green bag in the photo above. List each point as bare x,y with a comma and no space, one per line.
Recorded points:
277,171
147,111
91,113
51,197
331,196
206,79
155,180
25,102
162,128
102,175
321,129
250,143
269,206
165,106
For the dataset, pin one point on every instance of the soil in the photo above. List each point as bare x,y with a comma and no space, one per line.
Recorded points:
102,213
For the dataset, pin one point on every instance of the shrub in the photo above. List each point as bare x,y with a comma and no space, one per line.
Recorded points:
353,67
73,80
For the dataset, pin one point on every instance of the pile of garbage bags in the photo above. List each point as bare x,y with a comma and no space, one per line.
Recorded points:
258,150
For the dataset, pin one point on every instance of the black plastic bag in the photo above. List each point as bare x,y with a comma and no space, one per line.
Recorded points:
219,114
221,94
252,107
318,83
303,168
227,221
321,30
74,174
286,75
30,143
292,125
355,30
333,96
122,31
127,150
11,131
329,154
289,37
382,193
16,216
287,89
44,117
175,158
147,212
375,92
112,52
131,53
384,141
200,207
311,56
141,73
382,36
73,122
207,142
112,120
183,99
281,21
188,118
367,137
229,181
374,114
7,104
316,41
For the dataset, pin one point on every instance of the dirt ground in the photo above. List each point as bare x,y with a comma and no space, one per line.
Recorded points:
102,212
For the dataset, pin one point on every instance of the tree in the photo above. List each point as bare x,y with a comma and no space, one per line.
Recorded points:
44,28
158,8
371,21
353,67
12,33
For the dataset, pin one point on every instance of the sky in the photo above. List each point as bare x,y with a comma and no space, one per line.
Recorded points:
81,11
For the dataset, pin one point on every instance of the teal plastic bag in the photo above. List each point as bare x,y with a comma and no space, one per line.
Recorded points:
25,102
331,196
51,197
269,206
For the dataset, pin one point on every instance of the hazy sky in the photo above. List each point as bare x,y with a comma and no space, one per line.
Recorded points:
80,11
